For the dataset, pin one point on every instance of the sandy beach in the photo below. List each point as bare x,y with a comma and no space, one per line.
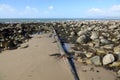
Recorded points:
34,62
90,72
26,58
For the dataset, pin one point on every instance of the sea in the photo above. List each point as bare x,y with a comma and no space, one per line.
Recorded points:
27,20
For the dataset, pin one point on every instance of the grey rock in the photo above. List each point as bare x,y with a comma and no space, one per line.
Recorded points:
96,60
105,41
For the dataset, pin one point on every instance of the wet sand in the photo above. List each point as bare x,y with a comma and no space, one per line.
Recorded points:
34,62
91,72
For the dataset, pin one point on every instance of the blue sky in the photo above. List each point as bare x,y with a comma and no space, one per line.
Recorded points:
59,8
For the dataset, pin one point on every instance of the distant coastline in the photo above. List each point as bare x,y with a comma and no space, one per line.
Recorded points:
20,20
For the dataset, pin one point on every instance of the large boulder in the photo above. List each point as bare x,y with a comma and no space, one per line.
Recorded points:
108,58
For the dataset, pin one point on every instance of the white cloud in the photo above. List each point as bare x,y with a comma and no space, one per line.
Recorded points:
115,8
9,11
95,10
30,9
29,12
6,8
50,7
113,11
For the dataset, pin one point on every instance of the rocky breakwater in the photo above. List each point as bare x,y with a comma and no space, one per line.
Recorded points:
95,42
12,35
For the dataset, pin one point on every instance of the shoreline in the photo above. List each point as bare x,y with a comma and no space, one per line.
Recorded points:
51,20
91,42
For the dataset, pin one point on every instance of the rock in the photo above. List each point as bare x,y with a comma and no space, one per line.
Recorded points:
118,75
117,49
110,46
108,58
100,51
82,33
118,56
94,35
104,41
118,36
79,60
112,27
24,45
72,34
88,61
106,34
77,53
80,54
90,28
88,55
66,32
97,43
96,60
81,39
115,64
91,44
114,40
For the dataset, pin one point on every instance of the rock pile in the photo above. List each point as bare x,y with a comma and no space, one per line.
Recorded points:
13,34
98,41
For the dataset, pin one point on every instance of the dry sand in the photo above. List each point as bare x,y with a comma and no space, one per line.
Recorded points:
34,62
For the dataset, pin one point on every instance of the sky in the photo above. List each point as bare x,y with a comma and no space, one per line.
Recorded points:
59,8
